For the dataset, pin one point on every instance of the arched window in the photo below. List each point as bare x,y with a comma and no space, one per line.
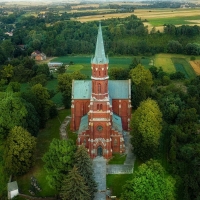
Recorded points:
115,142
99,88
84,142
105,72
99,73
97,106
100,106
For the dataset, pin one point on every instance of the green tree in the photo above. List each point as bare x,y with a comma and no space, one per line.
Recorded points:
13,113
43,102
146,129
150,182
19,151
74,187
141,84
59,159
84,167
116,73
65,85
7,72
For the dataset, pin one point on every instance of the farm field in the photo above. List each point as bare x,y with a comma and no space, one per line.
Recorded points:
171,63
196,66
83,63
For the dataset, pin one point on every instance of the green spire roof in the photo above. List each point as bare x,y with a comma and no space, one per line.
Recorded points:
99,52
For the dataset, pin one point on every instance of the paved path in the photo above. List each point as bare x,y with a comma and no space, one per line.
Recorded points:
63,133
99,166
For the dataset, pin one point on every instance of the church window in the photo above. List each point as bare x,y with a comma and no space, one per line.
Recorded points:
84,142
99,88
115,142
100,106
99,73
97,106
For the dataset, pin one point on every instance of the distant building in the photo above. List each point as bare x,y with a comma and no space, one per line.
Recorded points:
54,65
9,34
37,55
12,189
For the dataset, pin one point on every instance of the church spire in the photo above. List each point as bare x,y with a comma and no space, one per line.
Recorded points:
99,57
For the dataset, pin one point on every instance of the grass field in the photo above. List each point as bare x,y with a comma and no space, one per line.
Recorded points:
183,66
44,138
115,182
164,61
117,159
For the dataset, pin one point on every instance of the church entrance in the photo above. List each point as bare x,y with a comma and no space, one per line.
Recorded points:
99,151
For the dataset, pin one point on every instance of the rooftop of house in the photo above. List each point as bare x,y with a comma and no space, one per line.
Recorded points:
12,186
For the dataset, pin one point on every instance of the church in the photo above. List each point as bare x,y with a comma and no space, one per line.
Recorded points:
101,108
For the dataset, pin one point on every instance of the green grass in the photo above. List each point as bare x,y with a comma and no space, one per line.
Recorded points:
44,138
183,66
164,61
71,135
179,20
115,182
117,159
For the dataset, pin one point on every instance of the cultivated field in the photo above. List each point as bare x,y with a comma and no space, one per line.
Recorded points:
171,63
196,66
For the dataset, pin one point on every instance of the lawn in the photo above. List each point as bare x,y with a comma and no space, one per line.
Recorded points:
115,182
117,159
44,138
183,66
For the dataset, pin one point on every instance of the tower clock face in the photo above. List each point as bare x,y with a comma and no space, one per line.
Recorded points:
99,128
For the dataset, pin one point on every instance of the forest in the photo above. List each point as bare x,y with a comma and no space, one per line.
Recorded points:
166,106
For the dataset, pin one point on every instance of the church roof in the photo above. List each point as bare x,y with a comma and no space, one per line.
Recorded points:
99,57
84,124
118,89
117,122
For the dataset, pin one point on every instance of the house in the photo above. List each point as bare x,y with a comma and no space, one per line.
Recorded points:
37,55
12,189
101,108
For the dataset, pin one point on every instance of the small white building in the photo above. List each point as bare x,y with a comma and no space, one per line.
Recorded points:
12,189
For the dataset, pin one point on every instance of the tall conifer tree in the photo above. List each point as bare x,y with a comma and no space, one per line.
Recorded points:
84,165
74,187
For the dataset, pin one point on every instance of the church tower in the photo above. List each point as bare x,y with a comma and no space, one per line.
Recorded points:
100,125
100,112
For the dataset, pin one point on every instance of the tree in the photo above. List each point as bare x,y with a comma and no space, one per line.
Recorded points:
116,73
65,85
146,129
150,182
43,102
84,167
7,72
174,47
13,113
74,187
19,151
59,159
142,82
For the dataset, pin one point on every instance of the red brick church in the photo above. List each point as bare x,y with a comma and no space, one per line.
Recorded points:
101,108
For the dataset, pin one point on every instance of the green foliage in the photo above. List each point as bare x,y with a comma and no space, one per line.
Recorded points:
13,113
7,72
84,168
74,187
39,79
19,151
150,182
65,85
141,87
58,160
118,73
146,129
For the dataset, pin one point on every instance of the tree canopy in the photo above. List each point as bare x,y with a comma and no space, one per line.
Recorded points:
59,159
149,182
146,129
19,151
